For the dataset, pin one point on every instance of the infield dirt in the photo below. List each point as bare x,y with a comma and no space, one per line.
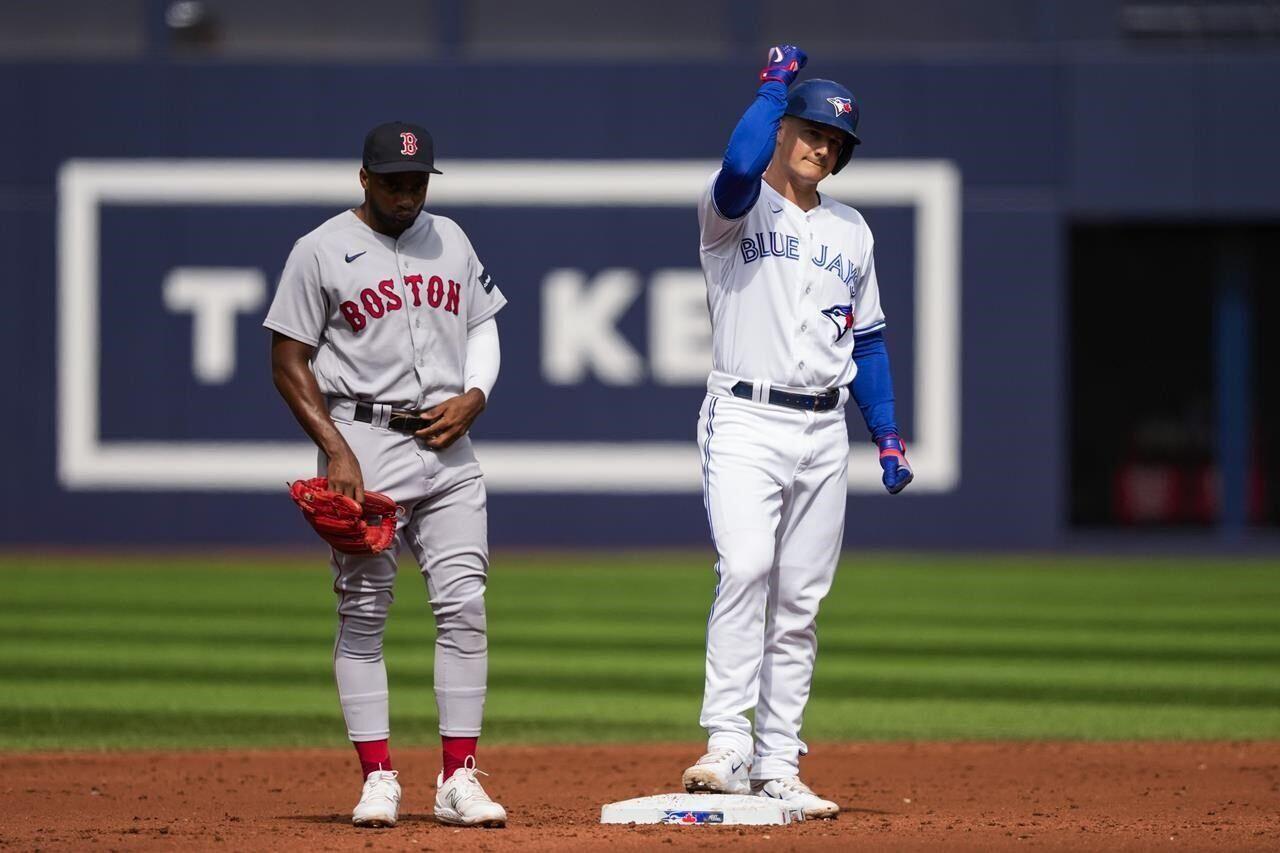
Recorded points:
895,796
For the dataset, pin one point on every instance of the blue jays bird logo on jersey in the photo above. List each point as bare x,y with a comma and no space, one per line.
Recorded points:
842,105
842,316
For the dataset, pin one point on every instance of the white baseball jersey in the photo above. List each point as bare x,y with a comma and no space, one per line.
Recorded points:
788,289
388,317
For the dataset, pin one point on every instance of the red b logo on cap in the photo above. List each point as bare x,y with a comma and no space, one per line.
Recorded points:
410,146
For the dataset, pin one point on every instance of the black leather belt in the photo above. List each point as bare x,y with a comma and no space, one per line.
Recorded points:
823,402
398,420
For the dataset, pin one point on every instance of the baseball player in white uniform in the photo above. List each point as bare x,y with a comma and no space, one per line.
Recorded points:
797,330
385,347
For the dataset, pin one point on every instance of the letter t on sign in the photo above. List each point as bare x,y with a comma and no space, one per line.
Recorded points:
214,296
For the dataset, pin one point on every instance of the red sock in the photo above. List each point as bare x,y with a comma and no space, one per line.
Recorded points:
374,755
456,752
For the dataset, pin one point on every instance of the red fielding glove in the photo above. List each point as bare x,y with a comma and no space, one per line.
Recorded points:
343,523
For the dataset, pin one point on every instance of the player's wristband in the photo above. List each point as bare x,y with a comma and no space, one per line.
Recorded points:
891,445
893,461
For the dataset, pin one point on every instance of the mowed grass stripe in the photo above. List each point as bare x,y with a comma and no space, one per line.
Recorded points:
831,715
976,579
62,657
175,730
1240,622
985,719
600,649
1024,687
990,646
59,660
532,722
54,655
643,677
1203,621
410,697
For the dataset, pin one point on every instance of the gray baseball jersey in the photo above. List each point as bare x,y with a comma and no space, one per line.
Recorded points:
388,317
389,320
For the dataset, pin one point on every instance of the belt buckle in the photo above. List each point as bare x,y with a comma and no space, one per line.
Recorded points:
406,422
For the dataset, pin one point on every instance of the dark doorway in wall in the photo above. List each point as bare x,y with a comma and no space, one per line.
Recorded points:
1173,336
1265,485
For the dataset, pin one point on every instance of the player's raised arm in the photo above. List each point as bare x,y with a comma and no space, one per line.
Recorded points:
751,145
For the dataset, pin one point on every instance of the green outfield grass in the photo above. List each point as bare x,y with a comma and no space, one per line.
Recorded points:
223,652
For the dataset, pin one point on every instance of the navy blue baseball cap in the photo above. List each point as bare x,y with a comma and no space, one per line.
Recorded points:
398,146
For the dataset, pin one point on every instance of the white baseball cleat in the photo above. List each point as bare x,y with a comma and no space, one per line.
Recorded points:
462,801
720,771
798,797
379,801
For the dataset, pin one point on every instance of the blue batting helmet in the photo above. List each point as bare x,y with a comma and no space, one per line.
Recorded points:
828,103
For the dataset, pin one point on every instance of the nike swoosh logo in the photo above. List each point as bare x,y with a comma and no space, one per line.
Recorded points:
351,258
775,209
736,767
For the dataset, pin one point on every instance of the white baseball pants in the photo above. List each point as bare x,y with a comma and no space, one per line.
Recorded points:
774,484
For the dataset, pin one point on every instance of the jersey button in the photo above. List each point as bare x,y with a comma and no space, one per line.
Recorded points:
807,289
804,326
802,365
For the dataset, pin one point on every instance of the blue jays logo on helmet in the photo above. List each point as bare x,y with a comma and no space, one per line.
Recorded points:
842,316
827,102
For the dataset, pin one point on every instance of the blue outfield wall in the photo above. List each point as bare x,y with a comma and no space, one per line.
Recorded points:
1033,143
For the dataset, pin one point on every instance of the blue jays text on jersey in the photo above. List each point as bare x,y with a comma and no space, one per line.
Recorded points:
779,245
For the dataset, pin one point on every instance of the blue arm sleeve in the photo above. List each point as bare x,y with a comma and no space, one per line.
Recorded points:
749,152
872,387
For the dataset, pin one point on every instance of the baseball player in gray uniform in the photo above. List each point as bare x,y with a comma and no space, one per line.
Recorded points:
385,347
